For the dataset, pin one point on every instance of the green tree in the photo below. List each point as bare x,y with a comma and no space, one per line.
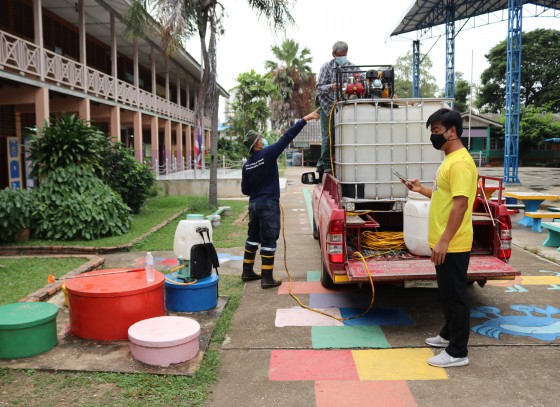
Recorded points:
537,124
180,19
291,73
462,91
403,77
249,110
540,64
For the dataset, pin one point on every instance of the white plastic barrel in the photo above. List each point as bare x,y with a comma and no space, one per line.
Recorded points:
186,235
415,224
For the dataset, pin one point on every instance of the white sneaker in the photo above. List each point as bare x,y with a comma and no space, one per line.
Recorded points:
445,360
437,342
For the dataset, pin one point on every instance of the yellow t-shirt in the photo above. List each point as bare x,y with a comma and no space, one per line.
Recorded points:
457,176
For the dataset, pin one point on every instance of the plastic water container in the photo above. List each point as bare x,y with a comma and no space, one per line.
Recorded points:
415,224
200,296
186,235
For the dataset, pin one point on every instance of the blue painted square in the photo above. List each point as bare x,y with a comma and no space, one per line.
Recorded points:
313,276
339,300
377,316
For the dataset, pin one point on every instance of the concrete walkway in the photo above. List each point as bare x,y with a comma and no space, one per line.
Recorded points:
278,354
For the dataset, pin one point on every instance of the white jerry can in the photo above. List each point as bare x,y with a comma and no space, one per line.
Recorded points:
415,224
186,235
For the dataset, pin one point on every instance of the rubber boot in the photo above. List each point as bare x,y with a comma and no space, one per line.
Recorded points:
248,263
267,280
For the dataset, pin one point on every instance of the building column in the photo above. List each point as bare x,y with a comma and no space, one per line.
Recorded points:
154,137
84,110
167,144
154,81
82,41
179,138
137,120
188,146
38,29
115,123
42,107
114,71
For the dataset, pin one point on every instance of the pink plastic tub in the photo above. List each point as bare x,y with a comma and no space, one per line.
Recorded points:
163,341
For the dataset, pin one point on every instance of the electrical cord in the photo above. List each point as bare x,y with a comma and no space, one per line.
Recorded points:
356,254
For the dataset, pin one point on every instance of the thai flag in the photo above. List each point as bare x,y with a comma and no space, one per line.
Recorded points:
198,144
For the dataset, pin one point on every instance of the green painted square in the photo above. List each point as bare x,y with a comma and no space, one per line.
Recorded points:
313,276
344,337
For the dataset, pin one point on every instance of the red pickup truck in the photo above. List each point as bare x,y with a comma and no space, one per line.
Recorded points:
373,139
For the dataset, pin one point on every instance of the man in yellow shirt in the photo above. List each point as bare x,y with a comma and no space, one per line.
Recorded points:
450,234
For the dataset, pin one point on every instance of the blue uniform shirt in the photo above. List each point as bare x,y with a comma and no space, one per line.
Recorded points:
259,177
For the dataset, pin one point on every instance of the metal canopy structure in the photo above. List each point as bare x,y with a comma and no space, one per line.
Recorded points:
423,15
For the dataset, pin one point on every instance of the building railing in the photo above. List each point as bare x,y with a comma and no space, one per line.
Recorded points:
24,57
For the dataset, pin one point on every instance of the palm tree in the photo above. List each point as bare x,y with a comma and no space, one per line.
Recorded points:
180,19
292,75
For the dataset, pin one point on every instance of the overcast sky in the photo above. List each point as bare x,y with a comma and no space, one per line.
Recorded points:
366,27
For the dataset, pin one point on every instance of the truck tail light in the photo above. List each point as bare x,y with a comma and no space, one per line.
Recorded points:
504,249
335,241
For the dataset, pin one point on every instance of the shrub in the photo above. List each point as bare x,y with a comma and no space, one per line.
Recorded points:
65,142
72,203
133,181
15,212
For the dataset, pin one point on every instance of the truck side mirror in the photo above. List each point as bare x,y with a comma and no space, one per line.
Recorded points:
308,178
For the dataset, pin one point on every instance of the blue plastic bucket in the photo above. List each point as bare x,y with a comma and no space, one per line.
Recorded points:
200,296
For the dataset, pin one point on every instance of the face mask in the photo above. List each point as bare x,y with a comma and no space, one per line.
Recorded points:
438,140
341,60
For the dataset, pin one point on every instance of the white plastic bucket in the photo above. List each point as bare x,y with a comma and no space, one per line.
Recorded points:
186,235
415,224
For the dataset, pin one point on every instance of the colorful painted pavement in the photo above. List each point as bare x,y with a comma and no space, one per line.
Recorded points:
354,357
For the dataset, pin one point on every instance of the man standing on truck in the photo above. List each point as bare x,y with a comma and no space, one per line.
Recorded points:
450,234
326,94
260,180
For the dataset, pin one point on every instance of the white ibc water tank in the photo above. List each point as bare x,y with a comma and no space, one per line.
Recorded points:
186,235
415,224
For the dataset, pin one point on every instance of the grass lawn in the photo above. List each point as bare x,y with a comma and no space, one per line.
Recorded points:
155,212
43,388
20,277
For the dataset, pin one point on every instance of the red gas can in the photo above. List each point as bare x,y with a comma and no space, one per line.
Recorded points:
103,307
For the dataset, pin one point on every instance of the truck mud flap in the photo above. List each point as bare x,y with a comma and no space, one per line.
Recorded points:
480,268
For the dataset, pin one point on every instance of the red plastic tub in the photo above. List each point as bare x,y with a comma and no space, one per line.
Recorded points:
104,307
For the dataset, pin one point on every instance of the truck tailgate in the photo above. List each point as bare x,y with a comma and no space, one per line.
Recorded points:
480,267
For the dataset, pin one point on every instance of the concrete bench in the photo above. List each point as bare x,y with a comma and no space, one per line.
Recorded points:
538,216
553,239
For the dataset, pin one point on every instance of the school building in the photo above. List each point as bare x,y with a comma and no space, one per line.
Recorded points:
72,57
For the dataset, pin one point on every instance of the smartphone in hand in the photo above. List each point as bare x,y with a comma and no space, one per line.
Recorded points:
402,177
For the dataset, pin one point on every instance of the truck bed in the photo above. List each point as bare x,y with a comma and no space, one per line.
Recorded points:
480,268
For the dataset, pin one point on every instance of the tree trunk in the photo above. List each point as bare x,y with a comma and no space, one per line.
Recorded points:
207,98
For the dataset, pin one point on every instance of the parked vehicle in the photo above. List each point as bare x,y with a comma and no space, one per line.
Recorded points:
374,138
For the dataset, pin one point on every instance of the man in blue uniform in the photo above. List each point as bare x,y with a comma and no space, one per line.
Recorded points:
261,182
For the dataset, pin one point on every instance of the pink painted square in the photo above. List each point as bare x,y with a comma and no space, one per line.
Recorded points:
291,365
363,393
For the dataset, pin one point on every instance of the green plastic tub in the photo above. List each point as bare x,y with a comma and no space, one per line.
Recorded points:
27,329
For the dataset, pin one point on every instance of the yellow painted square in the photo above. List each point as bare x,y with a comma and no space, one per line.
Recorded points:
396,364
539,280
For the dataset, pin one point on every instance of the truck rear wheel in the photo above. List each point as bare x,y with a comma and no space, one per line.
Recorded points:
326,279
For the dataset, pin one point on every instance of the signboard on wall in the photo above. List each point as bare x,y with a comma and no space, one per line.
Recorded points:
14,163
